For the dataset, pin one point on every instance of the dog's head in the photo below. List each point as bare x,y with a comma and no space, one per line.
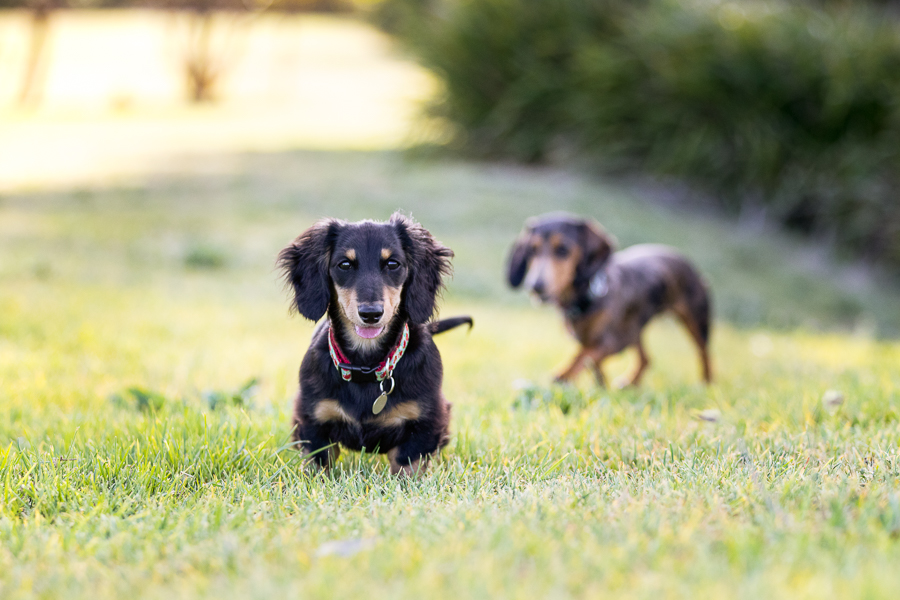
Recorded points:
369,273
557,252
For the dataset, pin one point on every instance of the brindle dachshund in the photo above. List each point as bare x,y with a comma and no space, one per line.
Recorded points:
372,375
608,297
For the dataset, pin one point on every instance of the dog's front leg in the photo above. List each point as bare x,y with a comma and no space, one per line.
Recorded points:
593,356
317,449
406,465
411,457
574,368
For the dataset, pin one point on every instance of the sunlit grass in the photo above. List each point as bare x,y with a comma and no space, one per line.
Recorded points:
753,487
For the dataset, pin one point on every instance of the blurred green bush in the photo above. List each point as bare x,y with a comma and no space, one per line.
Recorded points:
507,65
791,109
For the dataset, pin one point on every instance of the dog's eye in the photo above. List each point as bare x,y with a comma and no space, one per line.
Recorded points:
392,265
345,265
561,251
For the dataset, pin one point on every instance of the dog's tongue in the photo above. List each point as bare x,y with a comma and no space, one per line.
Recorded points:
368,332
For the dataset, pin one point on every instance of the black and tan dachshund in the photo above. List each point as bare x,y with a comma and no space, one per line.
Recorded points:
608,297
372,376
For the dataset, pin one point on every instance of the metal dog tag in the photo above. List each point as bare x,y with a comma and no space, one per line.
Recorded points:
380,403
381,400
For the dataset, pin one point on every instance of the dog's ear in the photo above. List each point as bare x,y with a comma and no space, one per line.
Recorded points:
429,263
597,245
305,266
519,257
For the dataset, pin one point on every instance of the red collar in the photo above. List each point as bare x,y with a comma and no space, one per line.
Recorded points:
384,369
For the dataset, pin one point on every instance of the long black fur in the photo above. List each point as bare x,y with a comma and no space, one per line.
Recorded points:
429,264
519,257
305,266
308,266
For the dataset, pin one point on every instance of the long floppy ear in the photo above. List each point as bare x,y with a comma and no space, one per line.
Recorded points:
597,245
305,266
429,263
519,257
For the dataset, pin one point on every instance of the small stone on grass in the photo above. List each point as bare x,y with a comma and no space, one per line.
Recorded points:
345,548
832,399
710,415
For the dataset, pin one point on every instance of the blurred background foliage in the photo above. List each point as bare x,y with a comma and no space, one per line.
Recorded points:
781,111
776,110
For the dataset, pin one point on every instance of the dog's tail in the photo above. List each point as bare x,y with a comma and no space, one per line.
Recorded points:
443,325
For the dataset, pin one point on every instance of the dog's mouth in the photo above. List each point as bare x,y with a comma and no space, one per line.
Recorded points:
540,297
368,333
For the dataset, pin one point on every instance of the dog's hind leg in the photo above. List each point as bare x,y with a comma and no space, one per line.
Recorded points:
643,362
702,342
696,320
703,348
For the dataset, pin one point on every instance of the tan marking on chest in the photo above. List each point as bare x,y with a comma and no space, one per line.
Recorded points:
589,330
396,416
330,410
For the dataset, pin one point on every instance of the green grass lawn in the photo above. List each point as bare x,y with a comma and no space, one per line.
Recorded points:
132,465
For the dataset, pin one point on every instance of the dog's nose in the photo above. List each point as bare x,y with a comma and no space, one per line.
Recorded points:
538,287
370,313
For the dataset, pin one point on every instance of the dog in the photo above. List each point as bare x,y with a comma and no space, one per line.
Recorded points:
608,297
372,376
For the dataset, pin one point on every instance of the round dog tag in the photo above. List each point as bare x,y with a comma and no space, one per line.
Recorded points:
380,403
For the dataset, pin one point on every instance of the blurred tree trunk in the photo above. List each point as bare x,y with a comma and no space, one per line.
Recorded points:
202,73
35,67
207,56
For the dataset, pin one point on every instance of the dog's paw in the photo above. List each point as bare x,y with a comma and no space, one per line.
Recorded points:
411,468
561,379
321,460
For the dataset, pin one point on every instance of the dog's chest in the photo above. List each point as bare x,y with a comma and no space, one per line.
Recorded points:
356,426
587,327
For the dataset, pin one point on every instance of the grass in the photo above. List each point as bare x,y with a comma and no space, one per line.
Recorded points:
138,458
